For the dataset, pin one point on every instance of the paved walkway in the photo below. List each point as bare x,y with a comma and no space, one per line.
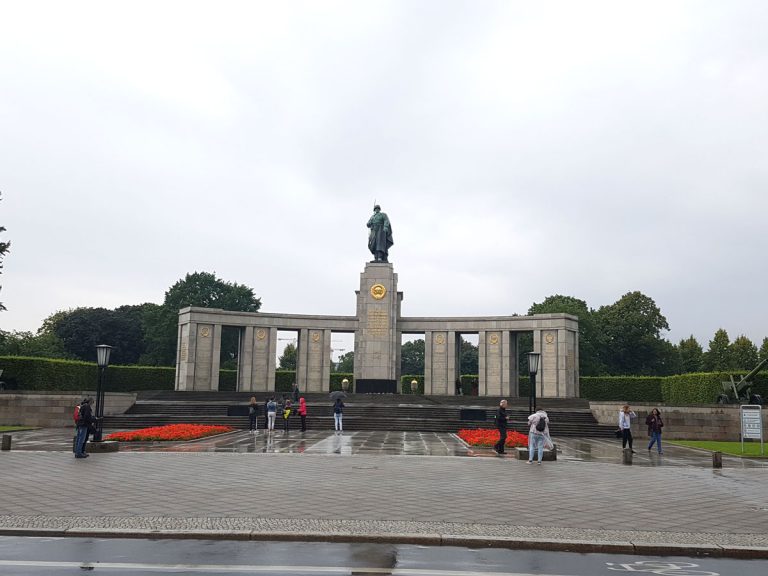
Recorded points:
407,487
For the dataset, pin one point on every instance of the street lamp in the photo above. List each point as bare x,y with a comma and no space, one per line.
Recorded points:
102,361
533,368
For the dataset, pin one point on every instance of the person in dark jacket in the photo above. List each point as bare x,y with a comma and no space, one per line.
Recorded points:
655,424
501,424
253,413
84,424
338,415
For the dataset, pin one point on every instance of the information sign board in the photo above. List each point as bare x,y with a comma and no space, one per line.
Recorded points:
751,424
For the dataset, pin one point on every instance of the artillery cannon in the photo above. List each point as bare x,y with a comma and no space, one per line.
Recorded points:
740,392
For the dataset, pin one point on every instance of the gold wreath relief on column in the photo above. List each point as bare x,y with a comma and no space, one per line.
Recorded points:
494,339
315,336
440,339
378,291
549,338
261,334
205,332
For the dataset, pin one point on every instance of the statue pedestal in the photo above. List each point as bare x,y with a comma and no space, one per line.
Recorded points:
377,341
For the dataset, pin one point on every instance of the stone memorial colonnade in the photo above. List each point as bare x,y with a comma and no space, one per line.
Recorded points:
378,329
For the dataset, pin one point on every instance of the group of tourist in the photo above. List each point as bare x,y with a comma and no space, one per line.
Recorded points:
285,407
539,438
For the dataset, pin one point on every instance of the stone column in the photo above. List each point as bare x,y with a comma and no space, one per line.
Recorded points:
263,360
567,364
438,346
317,360
482,381
376,346
510,363
204,348
547,379
493,363
428,389
245,360
185,356
302,358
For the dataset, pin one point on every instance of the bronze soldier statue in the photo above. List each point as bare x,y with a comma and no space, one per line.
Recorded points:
380,236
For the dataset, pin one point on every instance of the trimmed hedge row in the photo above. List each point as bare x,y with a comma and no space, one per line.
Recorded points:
622,388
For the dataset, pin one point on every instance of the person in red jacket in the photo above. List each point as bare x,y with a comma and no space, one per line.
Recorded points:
303,413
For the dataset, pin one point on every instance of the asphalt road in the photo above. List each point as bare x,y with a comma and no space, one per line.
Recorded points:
139,557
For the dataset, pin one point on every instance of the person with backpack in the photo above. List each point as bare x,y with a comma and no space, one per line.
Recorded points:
84,424
538,434
287,411
271,412
655,424
338,413
501,421
253,411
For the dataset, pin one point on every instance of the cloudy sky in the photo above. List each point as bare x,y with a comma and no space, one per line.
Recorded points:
520,149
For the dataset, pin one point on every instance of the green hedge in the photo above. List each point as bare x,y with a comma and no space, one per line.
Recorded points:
622,388
405,384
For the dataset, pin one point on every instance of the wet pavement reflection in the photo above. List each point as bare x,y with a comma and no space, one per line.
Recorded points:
387,443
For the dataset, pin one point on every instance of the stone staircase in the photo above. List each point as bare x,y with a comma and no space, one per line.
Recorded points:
395,412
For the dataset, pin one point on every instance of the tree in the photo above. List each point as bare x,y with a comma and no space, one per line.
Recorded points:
201,289
743,354
82,329
718,356
346,363
589,361
46,345
288,359
691,355
631,340
469,358
763,349
4,248
412,357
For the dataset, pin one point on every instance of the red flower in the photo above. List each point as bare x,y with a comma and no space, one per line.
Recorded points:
485,437
169,433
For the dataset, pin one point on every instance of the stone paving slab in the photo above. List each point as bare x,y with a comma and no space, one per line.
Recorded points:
361,491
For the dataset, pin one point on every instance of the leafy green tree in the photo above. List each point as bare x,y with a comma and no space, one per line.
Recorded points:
346,363
718,356
691,355
631,342
4,248
288,359
589,361
412,357
763,349
743,354
469,359
202,289
46,345
82,329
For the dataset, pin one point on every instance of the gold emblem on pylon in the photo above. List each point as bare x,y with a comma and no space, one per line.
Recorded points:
261,333
494,339
549,338
378,291
440,339
315,336
205,332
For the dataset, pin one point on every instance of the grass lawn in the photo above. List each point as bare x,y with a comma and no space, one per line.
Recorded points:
14,428
732,448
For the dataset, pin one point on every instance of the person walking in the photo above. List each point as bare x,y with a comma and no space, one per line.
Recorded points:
625,422
271,411
538,435
303,413
295,393
84,424
655,424
253,411
338,413
501,424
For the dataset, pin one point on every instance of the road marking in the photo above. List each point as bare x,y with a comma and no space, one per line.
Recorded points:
260,568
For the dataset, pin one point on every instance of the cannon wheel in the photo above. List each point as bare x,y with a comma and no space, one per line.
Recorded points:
722,399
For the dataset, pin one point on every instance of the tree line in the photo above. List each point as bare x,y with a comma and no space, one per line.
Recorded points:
623,338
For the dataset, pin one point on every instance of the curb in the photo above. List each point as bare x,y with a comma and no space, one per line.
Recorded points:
580,546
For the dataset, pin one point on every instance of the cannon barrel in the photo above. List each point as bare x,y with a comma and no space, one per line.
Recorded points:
754,371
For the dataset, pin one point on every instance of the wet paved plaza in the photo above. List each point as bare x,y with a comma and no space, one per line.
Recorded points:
389,444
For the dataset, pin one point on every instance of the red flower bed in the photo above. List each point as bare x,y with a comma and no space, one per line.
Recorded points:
170,432
488,438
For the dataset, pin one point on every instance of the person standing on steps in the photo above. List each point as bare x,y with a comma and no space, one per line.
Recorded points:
303,413
625,422
271,411
501,425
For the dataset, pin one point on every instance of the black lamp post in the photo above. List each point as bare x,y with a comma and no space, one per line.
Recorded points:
102,361
533,368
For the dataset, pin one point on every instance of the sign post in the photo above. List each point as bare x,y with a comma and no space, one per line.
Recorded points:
751,424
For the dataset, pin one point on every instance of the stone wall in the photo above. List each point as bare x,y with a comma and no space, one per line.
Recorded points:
53,410
697,422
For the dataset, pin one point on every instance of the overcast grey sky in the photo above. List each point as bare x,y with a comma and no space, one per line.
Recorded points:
520,149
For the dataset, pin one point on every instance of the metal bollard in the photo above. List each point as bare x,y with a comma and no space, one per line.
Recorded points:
717,459
6,442
627,456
